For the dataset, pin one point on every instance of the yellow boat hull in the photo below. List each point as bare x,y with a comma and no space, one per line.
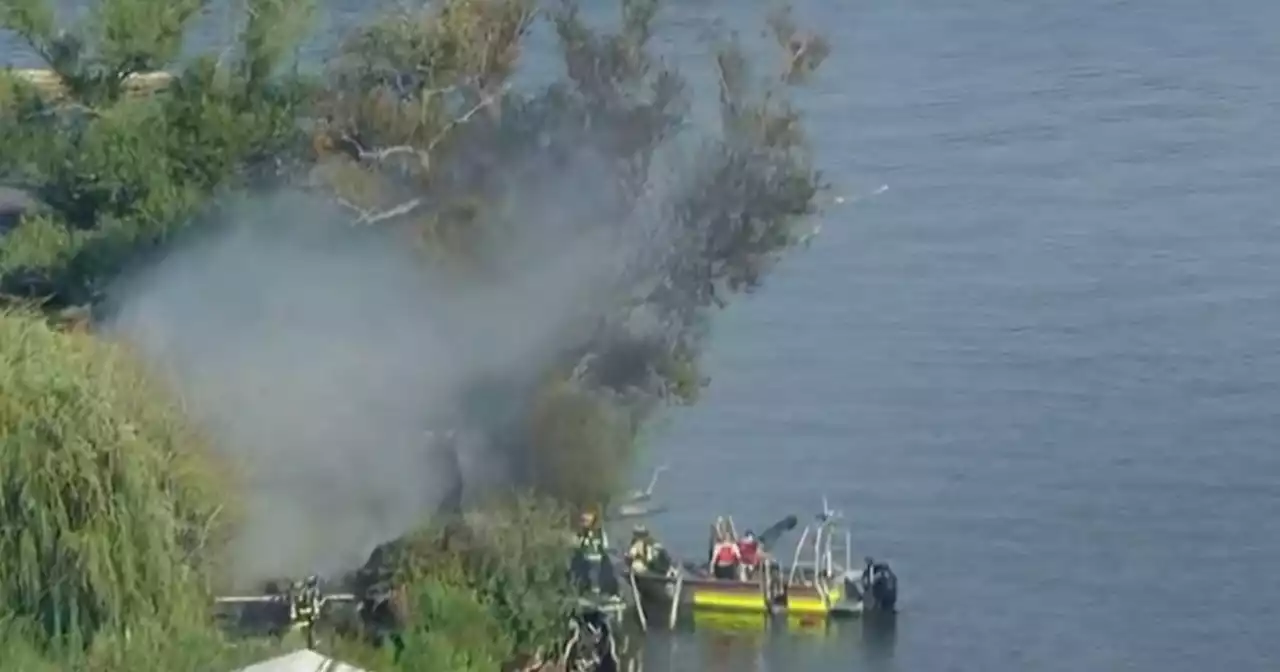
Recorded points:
802,603
708,595
756,624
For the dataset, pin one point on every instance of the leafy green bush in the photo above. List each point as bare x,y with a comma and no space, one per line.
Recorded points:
510,558
454,627
122,172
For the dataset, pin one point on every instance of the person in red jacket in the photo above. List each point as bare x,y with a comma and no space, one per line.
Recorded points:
725,559
749,554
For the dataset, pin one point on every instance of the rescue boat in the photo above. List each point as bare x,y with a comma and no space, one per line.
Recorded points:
820,580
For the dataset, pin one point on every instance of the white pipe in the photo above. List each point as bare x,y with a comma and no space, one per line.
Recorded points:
635,590
675,601
817,551
830,571
795,560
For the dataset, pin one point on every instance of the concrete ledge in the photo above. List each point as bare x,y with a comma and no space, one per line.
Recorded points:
50,83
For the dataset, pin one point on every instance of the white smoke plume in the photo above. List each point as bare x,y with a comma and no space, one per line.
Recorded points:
323,363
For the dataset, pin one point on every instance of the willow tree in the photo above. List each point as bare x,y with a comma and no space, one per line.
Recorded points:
107,502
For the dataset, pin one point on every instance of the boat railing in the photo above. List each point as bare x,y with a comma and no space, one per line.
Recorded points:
818,540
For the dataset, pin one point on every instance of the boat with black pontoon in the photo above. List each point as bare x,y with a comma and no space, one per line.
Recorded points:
819,581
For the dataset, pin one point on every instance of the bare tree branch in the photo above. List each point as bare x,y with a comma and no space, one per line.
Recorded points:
399,210
424,155
365,216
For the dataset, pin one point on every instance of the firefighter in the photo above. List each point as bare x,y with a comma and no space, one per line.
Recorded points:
592,545
644,552
306,601
311,592
591,537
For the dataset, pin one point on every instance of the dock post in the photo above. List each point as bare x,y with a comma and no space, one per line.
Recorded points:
675,602
635,592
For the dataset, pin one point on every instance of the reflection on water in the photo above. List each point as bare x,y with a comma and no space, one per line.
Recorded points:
878,639
756,643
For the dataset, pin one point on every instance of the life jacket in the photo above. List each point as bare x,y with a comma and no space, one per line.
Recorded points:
299,613
642,553
726,553
750,552
592,544
307,605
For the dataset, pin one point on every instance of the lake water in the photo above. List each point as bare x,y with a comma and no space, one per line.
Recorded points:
1041,372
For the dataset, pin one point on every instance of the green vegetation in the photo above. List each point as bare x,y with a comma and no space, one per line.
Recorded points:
113,511
109,508
482,591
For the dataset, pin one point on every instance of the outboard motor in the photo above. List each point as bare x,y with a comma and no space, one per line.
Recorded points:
593,647
879,586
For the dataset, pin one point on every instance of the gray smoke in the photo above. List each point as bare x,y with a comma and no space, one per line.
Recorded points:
327,362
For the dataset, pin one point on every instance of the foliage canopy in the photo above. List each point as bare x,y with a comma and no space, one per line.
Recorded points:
416,126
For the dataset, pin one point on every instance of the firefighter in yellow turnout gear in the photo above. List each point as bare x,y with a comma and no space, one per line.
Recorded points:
591,538
643,550
304,604
646,555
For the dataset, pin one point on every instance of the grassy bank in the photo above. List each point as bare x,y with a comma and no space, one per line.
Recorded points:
117,509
